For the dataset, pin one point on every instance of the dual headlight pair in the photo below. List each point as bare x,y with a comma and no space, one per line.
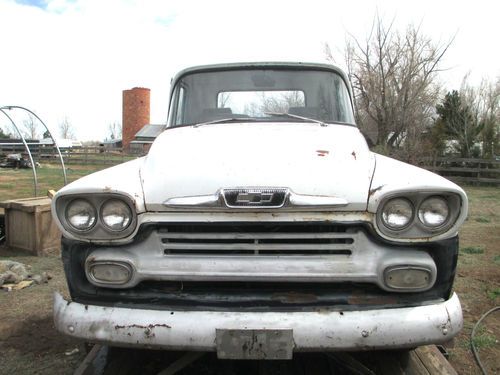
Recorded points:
115,215
418,215
97,216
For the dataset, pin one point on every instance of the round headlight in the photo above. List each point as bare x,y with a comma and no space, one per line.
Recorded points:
397,213
433,212
81,215
116,215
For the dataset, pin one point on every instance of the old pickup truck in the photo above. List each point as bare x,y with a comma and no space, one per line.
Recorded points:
259,225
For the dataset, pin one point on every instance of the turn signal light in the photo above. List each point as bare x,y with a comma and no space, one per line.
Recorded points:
109,272
408,278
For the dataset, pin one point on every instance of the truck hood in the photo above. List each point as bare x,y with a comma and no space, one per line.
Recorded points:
306,158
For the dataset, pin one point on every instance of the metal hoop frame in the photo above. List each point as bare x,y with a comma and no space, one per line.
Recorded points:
26,146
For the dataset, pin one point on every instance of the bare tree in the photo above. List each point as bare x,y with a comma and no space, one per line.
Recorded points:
66,129
222,99
281,103
483,105
491,119
30,128
4,134
393,76
115,130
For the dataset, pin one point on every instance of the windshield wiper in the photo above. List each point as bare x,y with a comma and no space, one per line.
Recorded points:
228,119
284,114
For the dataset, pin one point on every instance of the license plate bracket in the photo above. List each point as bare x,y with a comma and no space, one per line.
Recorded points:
271,344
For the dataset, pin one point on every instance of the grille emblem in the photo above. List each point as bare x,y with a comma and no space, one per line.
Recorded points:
255,197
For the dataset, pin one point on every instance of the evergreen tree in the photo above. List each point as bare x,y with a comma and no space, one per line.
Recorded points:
459,122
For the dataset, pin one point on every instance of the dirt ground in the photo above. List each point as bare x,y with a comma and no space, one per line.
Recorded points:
29,343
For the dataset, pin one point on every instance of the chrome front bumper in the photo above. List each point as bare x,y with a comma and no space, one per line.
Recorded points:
312,331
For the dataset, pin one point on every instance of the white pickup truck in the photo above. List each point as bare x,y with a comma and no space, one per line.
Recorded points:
260,224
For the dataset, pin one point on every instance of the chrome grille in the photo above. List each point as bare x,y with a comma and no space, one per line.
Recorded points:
263,252
258,240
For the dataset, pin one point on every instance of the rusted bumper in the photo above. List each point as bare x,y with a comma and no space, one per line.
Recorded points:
311,331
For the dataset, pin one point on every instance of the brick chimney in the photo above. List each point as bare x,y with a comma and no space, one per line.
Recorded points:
135,113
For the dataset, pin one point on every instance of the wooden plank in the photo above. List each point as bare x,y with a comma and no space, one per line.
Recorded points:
434,361
414,366
426,360
182,362
390,362
462,169
87,366
460,160
473,179
349,362
491,180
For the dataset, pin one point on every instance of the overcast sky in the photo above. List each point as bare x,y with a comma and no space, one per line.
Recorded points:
73,58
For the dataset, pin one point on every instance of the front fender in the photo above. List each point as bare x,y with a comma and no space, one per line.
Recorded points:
395,177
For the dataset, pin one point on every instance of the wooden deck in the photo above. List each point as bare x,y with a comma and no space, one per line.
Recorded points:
425,360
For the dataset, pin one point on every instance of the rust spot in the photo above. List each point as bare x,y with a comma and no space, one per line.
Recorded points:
366,300
151,326
354,155
322,152
293,297
148,332
373,191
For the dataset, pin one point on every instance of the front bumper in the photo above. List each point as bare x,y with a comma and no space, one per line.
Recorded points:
312,331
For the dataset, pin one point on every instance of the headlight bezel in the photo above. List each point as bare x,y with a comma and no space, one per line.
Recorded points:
433,227
394,228
102,220
416,229
99,231
68,219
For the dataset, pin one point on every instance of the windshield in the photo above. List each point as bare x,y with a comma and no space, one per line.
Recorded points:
261,95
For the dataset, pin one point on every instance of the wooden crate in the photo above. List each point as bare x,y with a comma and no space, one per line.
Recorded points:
29,226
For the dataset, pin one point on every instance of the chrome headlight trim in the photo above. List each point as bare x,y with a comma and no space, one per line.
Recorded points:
416,229
127,217
68,218
421,216
99,231
385,221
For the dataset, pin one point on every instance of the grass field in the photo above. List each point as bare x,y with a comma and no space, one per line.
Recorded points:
18,183
30,345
